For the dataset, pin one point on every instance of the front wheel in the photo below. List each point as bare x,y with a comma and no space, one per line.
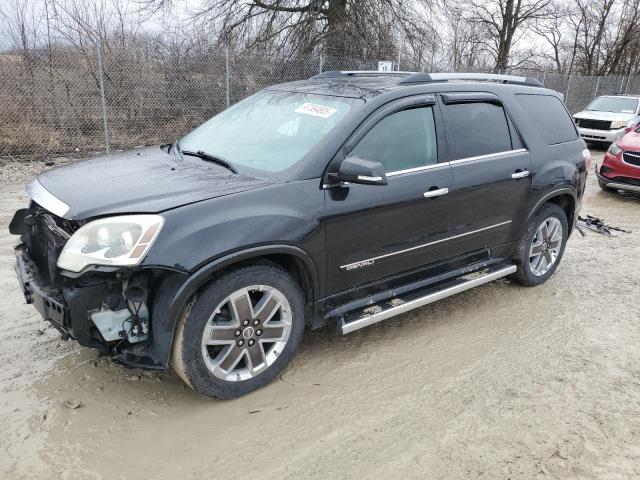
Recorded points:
240,331
542,245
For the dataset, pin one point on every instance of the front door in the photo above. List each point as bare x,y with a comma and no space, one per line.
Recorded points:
373,232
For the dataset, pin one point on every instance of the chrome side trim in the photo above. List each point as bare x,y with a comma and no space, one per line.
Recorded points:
489,155
418,169
46,199
460,160
371,261
420,302
623,186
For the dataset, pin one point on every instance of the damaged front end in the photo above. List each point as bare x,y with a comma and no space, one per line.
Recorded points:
107,307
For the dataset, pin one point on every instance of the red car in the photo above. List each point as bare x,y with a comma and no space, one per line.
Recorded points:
620,169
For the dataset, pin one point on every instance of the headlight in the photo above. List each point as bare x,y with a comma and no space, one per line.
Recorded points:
618,124
117,241
614,149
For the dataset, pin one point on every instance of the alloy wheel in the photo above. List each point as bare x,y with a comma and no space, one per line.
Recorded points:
246,333
545,246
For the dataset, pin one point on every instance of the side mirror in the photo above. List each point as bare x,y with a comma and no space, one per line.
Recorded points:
360,170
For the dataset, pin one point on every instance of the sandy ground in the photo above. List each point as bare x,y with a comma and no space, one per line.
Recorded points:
498,382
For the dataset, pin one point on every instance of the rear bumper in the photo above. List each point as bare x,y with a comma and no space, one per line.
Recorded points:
609,136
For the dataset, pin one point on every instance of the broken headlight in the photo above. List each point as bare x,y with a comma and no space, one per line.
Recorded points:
115,241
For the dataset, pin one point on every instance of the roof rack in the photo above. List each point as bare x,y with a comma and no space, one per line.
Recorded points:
361,73
483,77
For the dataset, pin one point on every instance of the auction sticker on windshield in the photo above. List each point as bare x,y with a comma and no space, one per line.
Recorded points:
316,110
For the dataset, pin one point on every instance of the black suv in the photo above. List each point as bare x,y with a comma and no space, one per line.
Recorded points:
344,199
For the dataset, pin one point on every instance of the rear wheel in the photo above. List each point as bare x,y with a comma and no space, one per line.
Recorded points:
542,245
240,332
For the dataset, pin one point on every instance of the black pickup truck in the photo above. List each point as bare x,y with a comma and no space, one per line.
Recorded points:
343,199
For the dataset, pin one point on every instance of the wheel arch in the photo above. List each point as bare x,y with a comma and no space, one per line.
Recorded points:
565,198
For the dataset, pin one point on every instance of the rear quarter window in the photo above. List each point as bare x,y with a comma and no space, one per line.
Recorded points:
549,116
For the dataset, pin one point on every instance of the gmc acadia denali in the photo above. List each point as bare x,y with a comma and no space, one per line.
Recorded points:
344,199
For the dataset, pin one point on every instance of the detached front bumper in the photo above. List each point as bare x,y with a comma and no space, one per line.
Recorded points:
609,136
49,303
69,306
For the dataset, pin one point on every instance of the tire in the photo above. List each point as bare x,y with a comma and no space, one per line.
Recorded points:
276,308
527,274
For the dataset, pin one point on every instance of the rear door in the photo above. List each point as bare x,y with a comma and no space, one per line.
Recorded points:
491,172
373,232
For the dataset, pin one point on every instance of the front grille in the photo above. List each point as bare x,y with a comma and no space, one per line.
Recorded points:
632,158
594,124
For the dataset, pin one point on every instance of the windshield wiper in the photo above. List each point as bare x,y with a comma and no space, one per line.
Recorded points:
211,158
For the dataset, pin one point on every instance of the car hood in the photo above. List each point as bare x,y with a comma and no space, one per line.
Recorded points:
630,142
612,116
139,181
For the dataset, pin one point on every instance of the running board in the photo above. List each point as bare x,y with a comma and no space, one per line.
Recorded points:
353,321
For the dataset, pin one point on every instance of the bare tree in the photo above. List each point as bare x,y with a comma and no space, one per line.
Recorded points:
503,20
339,27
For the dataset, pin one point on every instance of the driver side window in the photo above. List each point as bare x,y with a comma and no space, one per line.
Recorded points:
402,140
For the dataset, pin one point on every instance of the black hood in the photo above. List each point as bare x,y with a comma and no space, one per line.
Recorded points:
138,181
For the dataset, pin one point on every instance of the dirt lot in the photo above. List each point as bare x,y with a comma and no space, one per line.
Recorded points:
498,382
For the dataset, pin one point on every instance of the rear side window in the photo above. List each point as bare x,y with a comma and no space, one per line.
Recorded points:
478,128
549,116
400,141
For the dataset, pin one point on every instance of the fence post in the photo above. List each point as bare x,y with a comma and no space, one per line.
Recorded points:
102,97
566,95
226,73
321,61
597,85
544,76
626,88
399,49
621,84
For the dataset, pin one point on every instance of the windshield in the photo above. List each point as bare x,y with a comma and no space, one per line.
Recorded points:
270,130
613,104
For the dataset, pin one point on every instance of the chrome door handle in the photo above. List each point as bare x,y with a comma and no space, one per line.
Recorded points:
436,193
522,174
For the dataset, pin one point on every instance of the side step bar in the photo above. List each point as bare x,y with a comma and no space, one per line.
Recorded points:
350,322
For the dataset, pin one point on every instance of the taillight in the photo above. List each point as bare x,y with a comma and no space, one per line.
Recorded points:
586,156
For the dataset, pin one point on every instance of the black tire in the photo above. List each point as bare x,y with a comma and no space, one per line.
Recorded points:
187,358
524,274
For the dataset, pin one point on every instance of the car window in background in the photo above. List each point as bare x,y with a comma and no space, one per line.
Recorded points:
549,116
475,129
403,140
270,130
613,104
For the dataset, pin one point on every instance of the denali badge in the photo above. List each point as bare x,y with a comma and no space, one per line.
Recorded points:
353,266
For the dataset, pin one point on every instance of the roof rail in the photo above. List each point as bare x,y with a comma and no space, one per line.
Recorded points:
482,77
361,73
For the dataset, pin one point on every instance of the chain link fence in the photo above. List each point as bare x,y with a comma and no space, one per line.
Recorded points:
58,103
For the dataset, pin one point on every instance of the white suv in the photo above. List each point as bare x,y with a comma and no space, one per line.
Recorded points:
608,117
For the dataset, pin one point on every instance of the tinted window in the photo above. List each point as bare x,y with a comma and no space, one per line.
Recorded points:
405,139
550,117
476,129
